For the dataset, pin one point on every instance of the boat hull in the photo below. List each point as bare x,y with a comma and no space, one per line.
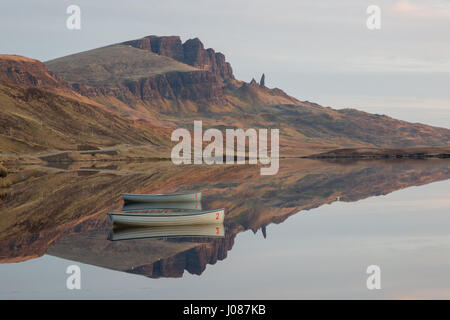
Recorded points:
168,219
174,197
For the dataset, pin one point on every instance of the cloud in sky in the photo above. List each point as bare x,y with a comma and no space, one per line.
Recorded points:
423,10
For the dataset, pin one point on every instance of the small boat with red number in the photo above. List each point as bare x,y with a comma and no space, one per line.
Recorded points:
168,219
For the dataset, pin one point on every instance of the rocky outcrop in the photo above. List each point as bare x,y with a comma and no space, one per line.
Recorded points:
170,46
196,56
192,52
26,71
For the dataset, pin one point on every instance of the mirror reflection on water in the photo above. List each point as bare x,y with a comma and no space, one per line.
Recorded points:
310,231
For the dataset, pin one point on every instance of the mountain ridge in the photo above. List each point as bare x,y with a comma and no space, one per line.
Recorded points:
138,81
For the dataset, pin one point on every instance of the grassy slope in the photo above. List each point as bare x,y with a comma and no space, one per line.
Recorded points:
110,66
353,128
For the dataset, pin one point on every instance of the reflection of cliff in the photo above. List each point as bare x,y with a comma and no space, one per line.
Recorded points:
62,213
193,260
155,258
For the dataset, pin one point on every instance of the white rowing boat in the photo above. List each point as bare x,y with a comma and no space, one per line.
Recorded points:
170,197
168,219
203,230
162,205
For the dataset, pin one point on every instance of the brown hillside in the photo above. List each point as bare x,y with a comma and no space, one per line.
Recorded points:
139,91
34,120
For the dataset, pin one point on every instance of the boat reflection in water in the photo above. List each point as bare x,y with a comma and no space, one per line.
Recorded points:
161,197
207,230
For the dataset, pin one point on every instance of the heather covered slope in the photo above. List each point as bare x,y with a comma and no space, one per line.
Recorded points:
353,128
40,113
34,120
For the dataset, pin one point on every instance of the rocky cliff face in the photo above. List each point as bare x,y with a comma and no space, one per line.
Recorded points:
198,86
170,46
195,86
192,52
196,55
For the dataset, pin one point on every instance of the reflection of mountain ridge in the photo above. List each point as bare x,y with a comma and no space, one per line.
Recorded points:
346,183
155,258
251,202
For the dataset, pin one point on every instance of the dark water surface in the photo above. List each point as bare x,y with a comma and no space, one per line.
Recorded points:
311,231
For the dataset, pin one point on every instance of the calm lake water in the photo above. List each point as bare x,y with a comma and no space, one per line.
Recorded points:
309,232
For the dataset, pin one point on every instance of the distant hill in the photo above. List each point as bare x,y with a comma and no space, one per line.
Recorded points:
154,84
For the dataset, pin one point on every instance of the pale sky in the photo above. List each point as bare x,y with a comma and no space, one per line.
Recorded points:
319,51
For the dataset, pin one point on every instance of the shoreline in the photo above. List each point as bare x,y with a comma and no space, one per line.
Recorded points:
384,153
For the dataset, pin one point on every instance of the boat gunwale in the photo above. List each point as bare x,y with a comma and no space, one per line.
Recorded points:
160,194
167,214
152,209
